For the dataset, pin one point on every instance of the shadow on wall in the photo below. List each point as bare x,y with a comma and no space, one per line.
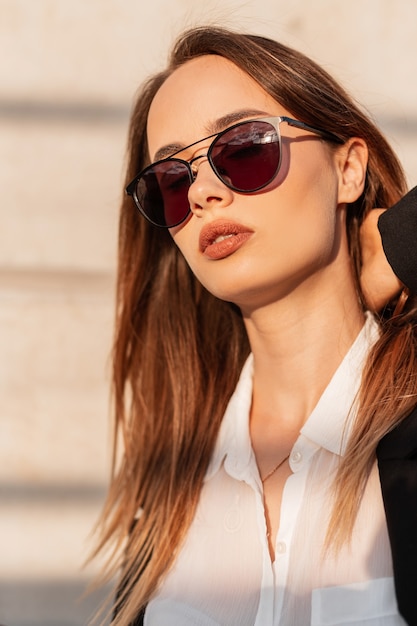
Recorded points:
48,603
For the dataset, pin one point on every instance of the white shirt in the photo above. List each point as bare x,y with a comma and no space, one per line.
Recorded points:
223,574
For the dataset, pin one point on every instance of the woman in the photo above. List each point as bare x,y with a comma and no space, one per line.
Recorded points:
252,386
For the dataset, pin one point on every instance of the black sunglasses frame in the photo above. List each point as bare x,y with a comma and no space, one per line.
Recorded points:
131,188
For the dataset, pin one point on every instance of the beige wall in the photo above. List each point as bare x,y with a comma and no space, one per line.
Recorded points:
68,72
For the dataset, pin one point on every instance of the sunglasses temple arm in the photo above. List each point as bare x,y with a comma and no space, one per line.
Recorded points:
312,129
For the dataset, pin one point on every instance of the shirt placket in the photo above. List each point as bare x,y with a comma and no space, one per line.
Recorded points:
275,575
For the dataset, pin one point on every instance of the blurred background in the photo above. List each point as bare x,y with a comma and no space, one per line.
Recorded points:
68,73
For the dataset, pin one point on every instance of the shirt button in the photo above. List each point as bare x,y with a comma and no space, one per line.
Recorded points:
296,456
281,547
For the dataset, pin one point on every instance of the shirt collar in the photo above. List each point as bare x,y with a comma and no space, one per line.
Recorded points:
233,442
330,422
328,425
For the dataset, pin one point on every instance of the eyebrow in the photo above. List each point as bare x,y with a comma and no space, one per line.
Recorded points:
213,128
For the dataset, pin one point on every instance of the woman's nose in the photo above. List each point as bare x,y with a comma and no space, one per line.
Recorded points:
207,190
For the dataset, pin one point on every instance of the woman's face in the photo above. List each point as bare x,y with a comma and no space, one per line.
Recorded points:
257,248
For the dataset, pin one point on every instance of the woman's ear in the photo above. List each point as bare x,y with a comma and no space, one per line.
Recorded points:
352,161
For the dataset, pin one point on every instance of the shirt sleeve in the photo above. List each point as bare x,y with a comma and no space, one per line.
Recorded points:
398,228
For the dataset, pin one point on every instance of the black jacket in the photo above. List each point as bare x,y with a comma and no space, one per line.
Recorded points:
397,462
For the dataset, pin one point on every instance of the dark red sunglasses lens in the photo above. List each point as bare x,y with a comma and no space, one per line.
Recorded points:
162,192
247,157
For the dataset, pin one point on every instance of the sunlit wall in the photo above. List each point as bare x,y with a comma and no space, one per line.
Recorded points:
68,73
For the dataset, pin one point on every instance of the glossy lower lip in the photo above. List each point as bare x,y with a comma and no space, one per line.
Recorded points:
235,236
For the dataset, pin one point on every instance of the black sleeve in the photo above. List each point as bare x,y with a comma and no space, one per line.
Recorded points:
397,463
398,228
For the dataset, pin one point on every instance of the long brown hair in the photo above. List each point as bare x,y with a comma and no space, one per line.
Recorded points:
178,350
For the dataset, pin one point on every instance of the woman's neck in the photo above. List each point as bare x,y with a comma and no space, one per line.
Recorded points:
298,343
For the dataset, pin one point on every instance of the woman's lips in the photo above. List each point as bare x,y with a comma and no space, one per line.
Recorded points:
221,238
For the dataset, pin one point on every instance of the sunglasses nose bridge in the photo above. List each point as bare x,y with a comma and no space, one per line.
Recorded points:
193,166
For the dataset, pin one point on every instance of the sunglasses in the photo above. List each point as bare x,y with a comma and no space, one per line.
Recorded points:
246,157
